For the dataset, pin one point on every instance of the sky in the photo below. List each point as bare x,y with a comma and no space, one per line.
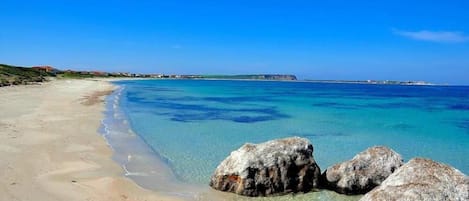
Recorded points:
352,40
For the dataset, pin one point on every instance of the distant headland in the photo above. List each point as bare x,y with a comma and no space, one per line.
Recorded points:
242,77
387,82
16,75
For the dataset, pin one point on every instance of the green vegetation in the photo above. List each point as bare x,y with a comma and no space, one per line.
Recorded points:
14,75
75,75
87,74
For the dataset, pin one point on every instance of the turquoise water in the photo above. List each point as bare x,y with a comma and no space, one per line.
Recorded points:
195,124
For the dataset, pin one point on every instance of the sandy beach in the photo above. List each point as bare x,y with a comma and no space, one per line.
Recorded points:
50,148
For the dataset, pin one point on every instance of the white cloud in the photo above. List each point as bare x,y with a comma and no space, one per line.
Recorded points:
434,36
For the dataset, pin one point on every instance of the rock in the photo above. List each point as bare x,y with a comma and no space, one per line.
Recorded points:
422,179
363,172
271,168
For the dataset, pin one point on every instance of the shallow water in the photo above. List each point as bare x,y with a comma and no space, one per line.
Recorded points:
192,125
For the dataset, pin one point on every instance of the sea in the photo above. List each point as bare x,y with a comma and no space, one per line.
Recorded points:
170,135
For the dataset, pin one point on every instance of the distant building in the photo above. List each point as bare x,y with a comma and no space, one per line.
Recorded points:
156,75
99,73
48,69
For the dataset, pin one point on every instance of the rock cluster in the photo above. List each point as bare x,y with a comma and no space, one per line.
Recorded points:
287,165
363,172
274,167
422,179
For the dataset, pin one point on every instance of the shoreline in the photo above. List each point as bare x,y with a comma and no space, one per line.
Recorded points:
142,164
51,149
125,141
139,160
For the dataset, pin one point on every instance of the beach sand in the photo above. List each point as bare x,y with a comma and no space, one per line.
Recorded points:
50,148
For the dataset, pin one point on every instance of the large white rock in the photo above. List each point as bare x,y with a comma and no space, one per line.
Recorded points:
363,172
274,167
424,180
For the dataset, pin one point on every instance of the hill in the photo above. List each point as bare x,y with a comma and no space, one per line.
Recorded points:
15,75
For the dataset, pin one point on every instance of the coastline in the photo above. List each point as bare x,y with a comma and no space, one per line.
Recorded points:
140,162
298,81
51,149
152,171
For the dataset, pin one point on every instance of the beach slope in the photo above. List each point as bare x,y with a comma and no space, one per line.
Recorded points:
50,148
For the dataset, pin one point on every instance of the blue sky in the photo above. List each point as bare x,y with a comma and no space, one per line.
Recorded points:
394,40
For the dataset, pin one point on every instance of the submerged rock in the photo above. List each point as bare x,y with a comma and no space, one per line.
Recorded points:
274,167
363,172
422,179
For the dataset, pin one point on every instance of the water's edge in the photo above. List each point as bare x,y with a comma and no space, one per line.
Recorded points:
139,161
149,170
